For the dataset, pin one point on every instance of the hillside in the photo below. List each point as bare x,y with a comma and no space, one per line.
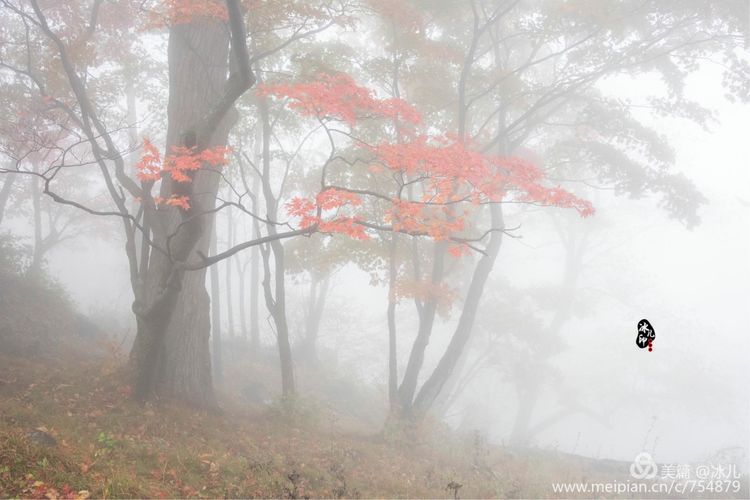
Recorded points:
69,429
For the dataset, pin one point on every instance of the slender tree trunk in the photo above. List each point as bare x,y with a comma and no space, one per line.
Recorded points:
288,386
228,271
391,314
316,306
276,297
38,251
434,384
255,276
456,383
447,363
528,395
276,304
7,188
132,118
241,268
426,321
218,366
393,395
529,388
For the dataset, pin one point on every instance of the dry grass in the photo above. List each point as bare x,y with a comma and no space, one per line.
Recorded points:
109,446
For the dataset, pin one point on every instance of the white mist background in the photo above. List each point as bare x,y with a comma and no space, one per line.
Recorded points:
685,400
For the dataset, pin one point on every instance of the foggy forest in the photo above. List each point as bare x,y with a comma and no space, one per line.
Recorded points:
374,249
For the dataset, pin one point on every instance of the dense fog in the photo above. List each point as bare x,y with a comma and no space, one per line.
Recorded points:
399,225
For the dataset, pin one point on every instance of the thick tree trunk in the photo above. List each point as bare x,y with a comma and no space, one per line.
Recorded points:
447,363
199,48
171,351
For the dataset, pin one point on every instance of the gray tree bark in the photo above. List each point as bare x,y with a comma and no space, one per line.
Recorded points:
218,367
228,278
447,363
255,272
275,294
171,350
427,313
391,315
5,192
315,307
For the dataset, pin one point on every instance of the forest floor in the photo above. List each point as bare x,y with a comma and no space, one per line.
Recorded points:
70,429
108,446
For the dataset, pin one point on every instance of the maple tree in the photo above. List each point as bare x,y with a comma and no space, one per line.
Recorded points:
437,173
181,165
508,85
453,180
165,243
449,173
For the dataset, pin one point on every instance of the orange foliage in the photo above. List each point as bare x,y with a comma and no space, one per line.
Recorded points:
182,202
425,291
174,12
149,166
180,165
454,173
454,178
328,200
436,221
339,97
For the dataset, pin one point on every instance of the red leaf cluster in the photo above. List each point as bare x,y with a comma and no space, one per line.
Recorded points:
174,12
453,176
149,167
339,97
310,213
453,172
182,202
438,221
179,163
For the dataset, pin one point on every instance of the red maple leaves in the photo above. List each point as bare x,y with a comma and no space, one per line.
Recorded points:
148,169
180,165
453,173
453,178
328,203
174,12
339,97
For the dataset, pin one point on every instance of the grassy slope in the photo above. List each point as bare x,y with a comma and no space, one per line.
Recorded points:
112,447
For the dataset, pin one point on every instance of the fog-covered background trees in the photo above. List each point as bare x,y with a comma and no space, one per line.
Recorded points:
417,212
